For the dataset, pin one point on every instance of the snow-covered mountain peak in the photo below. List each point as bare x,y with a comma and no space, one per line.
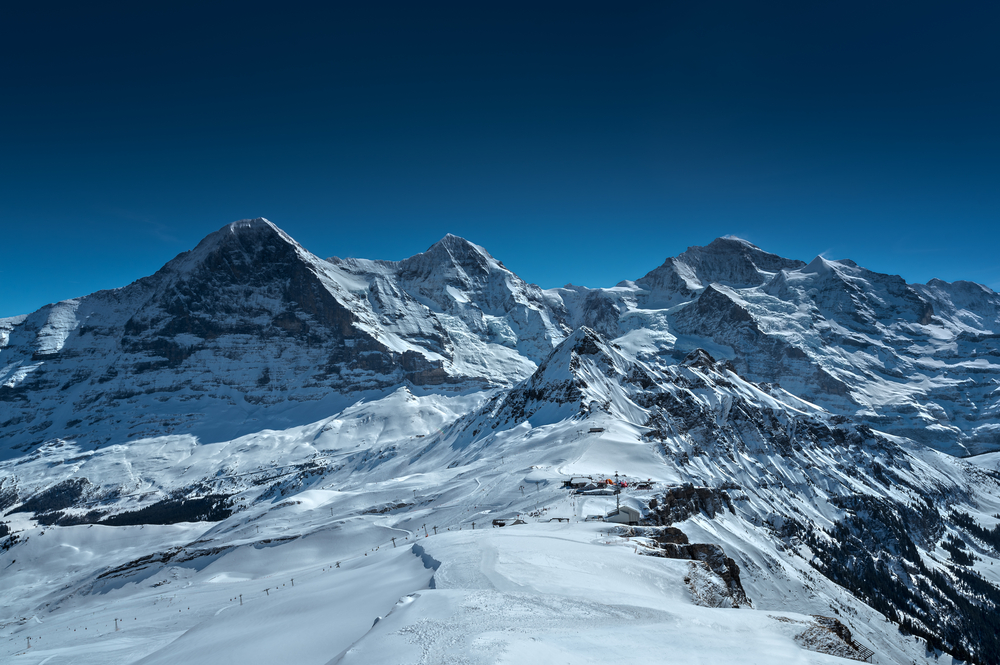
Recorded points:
255,223
728,244
820,264
452,259
247,230
580,377
458,246
460,302
455,272
730,261
966,304
584,345
247,320
830,331
734,262
843,287
730,236
846,267
239,247
584,341
962,285
590,377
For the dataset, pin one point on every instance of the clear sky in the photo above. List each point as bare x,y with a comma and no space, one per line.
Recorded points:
578,142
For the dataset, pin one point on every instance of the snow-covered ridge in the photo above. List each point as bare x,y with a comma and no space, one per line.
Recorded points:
252,328
916,360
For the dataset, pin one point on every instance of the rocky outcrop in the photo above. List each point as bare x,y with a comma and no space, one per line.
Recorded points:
714,558
714,575
680,503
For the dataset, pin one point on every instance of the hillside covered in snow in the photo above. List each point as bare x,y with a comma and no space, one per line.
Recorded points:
258,455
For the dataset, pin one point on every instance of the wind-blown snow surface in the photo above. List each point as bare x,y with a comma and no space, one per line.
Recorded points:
256,455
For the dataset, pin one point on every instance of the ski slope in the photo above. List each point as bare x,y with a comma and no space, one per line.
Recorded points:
565,591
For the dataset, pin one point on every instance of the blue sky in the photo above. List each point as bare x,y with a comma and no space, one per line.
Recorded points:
578,142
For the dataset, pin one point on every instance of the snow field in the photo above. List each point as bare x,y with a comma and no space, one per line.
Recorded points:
566,592
562,594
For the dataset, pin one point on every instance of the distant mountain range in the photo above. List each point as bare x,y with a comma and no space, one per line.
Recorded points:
249,330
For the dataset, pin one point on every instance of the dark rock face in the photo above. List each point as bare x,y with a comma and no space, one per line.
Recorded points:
836,627
211,508
251,280
714,557
672,543
601,313
670,535
680,503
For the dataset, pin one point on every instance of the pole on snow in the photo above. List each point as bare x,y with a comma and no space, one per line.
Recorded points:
393,542
241,600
